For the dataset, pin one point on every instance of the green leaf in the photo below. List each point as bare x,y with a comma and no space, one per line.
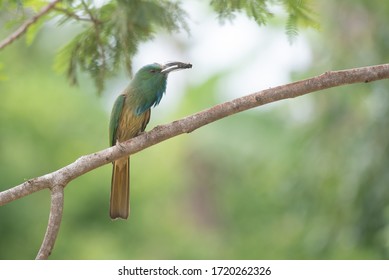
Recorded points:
33,30
65,61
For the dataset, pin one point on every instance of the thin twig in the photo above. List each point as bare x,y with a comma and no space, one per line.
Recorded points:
72,15
23,28
55,217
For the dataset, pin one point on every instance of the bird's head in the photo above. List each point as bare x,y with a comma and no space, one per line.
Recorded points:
150,81
154,73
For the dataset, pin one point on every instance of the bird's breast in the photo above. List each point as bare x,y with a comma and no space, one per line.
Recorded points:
130,125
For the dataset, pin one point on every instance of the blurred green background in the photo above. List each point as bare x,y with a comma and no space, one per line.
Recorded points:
304,179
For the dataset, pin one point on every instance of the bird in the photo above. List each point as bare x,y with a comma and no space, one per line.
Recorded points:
129,118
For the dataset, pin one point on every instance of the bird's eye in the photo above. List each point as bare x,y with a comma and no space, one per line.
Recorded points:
153,71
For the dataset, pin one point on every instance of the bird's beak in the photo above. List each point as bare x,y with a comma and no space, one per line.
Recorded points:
173,66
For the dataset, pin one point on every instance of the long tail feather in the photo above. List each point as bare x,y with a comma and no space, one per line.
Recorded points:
120,189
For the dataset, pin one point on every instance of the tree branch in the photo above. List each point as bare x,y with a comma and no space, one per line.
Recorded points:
55,218
58,179
23,28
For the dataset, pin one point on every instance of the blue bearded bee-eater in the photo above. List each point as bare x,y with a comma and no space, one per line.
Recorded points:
130,116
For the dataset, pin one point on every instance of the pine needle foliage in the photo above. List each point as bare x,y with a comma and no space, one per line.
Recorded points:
111,30
300,14
255,9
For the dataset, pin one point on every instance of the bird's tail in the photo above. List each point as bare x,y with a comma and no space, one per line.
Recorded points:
120,189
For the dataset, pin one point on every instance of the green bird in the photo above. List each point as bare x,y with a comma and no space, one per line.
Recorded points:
130,116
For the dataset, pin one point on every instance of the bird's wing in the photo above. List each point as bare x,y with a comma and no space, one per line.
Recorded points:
146,120
115,116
